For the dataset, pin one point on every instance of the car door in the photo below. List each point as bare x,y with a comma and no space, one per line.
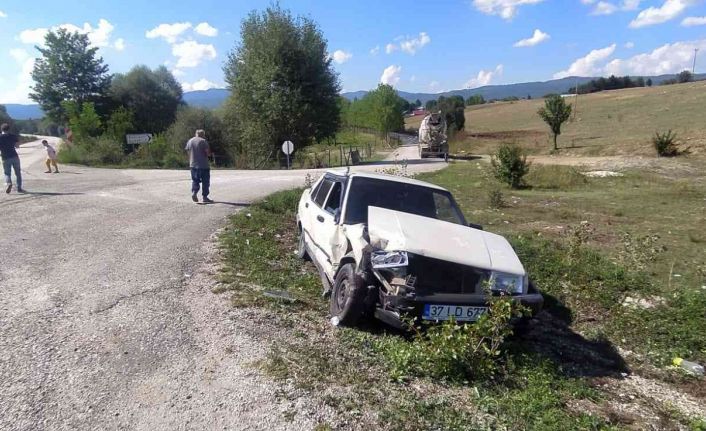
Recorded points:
324,220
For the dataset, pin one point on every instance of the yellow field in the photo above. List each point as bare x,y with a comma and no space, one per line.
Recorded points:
620,122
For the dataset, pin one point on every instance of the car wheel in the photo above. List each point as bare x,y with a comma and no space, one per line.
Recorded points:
347,297
301,246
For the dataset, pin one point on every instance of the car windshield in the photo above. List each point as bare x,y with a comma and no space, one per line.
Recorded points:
399,196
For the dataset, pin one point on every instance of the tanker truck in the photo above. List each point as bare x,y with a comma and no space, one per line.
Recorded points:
433,141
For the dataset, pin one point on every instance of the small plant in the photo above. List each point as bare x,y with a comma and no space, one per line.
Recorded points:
496,199
640,252
578,236
666,144
510,165
452,351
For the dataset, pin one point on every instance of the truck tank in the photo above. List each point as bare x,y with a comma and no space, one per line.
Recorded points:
433,141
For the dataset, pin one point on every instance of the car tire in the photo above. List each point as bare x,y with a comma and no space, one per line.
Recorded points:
347,297
301,246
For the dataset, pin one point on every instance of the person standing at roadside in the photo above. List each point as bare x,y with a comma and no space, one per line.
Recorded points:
51,157
199,151
10,158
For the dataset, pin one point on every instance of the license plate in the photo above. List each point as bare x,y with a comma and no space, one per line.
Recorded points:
461,313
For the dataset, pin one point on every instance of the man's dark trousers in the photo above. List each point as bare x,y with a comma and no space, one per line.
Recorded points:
203,177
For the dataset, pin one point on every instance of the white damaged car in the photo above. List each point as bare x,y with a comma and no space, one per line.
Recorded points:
390,247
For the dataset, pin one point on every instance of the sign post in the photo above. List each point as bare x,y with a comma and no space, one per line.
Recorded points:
287,148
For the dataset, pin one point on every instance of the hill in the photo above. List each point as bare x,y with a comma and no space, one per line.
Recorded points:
23,112
617,122
212,98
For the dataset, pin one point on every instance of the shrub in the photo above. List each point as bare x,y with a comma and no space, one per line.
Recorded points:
495,199
510,165
452,351
666,144
107,151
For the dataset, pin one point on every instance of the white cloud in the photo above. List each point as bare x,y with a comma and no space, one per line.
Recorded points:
375,51
588,65
168,32
629,45
191,54
20,94
98,36
3,14
670,9
340,56
538,37
434,85
668,58
119,44
507,9
485,77
391,75
33,36
411,46
200,85
178,72
631,4
693,21
412,78
205,29
390,48
604,8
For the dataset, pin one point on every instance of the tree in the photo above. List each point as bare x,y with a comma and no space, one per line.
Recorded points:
83,120
431,105
555,112
68,70
649,82
684,76
385,109
476,99
282,84
640,82
418,103
188,120
453,110
153,97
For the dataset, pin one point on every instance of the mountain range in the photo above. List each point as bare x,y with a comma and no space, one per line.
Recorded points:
215,97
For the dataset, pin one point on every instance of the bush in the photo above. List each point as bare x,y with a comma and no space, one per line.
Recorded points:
510,165
452,351
495,199
666,144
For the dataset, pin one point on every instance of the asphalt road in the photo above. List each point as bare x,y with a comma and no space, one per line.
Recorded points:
99,326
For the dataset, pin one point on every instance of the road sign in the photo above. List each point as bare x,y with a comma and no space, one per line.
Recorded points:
138,138
287,147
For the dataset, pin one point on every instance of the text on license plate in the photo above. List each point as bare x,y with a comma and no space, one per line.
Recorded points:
458,312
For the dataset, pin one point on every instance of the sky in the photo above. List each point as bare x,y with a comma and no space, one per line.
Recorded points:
417,46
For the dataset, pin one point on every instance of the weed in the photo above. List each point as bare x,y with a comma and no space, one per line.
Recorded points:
578,236
556,177
640,252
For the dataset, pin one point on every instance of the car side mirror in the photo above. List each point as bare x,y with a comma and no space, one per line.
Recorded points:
475,226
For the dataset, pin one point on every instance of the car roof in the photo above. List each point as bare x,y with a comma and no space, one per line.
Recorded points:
383,177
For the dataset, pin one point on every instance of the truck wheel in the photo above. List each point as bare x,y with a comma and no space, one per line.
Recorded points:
301,246
348,297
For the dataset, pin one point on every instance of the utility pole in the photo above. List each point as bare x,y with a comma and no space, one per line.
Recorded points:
693,68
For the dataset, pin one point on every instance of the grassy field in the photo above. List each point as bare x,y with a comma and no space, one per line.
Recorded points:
619,122
621,263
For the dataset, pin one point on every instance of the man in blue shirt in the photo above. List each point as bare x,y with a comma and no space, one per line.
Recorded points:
10,158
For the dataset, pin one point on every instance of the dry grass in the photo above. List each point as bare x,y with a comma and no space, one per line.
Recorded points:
620,122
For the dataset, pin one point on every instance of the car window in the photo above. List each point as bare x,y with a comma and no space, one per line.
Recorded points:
316,190
399,196
444,208
323,192
334,198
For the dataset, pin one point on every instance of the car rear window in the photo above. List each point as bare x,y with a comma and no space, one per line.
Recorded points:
334,198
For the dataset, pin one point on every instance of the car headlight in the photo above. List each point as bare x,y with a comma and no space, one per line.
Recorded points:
389,259
510,283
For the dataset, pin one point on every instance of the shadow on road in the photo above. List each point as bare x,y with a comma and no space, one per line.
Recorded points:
234,204
49,193
400,161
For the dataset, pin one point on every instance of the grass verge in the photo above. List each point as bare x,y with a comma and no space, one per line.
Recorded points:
548,380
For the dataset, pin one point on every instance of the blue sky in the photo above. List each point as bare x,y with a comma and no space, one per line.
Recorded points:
420,46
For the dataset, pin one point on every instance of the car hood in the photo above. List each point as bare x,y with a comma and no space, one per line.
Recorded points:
393,230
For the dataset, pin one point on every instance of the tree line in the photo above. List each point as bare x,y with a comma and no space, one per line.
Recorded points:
616,83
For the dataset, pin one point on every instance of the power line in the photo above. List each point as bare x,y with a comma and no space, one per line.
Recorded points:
693,68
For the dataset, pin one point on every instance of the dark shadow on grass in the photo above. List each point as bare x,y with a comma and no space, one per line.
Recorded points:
550,336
